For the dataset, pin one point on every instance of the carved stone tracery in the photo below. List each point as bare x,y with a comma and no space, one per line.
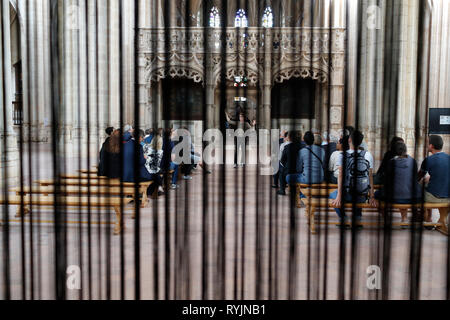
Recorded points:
296,52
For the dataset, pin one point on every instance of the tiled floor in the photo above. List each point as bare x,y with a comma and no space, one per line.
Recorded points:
260,260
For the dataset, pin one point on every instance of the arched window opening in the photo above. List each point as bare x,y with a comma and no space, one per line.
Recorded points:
267,19
241,20
214,18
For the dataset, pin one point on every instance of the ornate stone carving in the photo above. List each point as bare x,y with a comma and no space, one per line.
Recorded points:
296,52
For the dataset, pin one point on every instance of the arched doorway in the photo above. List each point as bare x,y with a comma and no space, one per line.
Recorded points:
16,63
294,99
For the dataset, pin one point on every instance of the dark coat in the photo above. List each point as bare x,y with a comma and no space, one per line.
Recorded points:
109,165
289,157
129,152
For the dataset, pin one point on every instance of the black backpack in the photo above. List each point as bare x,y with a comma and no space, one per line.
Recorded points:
357,173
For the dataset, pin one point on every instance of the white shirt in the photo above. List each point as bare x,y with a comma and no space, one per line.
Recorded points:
332,164
368,156
282,146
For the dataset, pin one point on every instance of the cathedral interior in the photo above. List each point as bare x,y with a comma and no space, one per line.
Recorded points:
70,69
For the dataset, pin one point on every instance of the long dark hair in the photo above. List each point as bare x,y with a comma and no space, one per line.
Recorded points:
113,144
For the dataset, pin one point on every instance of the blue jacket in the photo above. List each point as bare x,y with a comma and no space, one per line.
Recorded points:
127,136
148,139
129,152
310,163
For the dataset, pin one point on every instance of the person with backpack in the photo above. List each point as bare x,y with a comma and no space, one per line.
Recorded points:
355,178
309,164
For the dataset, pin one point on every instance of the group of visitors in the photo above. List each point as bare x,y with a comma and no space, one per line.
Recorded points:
345,161
137,156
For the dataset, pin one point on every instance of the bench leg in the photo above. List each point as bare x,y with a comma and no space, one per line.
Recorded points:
118,226
443,213
312,222
19,212
144,199
298,201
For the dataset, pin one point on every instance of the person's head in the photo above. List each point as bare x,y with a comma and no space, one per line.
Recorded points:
394,143
167,134
318,139
128,128
348,130
156,143
283,134
356,139
309,138
435,143
109,130
294,136
149,132
241,117
333,137
113,145
344,143
160,131
139,135
339,146
400,149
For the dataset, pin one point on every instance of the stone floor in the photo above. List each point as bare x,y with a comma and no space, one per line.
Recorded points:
186,249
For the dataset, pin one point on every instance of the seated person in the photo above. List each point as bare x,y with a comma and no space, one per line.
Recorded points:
317,139
130,149
332,173
166,162
101,170
288,162
390,154
149,133
284,141
109,165
128,131
329,144
354,188
400,180
438,167
309,162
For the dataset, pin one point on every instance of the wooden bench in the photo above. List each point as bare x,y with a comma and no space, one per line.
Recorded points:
142,190
316,190
72,201
91,176
105,191
313,204
87,171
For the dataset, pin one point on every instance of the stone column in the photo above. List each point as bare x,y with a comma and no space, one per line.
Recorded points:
9,151
103,65
212,112
264,120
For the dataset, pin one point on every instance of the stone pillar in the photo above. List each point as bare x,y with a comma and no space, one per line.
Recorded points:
9,151
264,120
212,112
103,64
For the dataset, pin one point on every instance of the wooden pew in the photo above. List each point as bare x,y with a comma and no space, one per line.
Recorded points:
72,201
143,186
322,190
87,171
313,204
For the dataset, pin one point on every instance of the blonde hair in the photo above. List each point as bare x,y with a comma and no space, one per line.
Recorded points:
156,143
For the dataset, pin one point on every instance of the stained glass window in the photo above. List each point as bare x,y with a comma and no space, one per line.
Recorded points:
214,18
267,19
241,20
